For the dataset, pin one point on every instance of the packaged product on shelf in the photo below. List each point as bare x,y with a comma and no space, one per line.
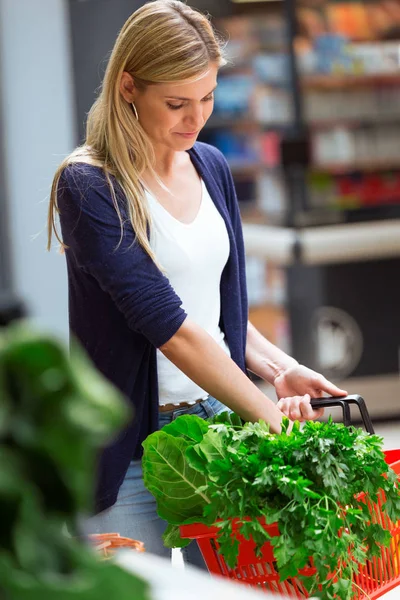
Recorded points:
272,196
232,96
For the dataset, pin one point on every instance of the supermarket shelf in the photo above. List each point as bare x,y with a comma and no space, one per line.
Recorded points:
320,216
220,123
375,165
354,122
271,243
244,169
247,122
350,242
333,81
378,212
349,122
331,168
251,1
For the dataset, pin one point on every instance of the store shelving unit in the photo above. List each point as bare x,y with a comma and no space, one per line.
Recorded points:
253,109
335,81
311,128
350,115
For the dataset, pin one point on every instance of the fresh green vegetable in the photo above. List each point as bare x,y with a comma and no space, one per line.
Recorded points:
55,412
308,481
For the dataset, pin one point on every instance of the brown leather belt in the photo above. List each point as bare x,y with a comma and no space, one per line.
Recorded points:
171,407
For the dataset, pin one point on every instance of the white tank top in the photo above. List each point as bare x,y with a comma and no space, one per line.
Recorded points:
193,256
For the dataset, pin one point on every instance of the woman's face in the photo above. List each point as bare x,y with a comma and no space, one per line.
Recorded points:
173,114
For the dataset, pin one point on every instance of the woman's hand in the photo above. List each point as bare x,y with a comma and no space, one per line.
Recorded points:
298,380
296,385
298,408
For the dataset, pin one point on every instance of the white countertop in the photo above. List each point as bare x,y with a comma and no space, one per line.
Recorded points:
173,583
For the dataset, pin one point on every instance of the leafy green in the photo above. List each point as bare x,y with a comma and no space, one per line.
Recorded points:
91,580
56,411
171,479
191,430
311,482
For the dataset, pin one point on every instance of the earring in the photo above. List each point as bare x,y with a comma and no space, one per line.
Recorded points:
135,111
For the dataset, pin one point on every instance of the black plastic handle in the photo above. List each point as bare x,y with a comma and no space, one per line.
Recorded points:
344,402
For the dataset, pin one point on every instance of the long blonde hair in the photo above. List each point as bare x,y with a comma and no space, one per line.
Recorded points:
164,41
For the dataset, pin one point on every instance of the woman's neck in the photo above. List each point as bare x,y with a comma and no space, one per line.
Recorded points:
168,161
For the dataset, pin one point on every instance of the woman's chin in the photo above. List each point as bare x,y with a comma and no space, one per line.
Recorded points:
185,142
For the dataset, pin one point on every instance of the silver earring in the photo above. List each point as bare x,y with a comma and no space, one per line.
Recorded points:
135,111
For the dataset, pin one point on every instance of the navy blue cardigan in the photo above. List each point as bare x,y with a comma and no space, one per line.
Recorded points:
121,307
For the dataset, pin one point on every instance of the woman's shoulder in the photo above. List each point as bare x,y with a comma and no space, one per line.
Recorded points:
210,155
85,187
82,176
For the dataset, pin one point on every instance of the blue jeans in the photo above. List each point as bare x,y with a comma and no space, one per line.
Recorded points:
134,514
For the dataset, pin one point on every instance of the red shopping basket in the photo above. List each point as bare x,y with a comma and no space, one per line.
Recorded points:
375,578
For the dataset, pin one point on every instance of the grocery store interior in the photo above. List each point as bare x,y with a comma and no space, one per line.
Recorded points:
307,114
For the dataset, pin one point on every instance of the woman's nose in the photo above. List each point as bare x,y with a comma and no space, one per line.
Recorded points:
196,117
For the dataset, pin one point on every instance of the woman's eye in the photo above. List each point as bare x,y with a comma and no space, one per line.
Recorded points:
174,106
178,106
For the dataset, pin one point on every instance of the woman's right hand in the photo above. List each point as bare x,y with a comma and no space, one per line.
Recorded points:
298,408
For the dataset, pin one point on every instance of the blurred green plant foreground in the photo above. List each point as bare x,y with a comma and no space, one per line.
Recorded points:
56,411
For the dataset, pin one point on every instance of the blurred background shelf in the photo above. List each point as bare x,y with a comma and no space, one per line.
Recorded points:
331,120
309,121
333,81
353,121
362,166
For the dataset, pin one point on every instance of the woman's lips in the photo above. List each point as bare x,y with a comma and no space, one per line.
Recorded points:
188,135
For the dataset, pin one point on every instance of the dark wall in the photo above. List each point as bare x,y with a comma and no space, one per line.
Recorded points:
94,28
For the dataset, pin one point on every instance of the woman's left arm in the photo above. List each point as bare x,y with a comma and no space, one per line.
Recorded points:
287,376
263,358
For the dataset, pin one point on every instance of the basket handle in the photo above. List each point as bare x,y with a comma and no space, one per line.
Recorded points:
344,402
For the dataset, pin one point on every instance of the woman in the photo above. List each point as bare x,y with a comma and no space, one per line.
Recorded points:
155,259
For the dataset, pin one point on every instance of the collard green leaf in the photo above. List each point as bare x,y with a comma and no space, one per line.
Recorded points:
212,446
228,418
189,427
168,476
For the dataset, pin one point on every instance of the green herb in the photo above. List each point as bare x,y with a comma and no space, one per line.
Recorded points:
308,481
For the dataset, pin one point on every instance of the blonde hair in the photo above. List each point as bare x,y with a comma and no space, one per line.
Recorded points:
164,41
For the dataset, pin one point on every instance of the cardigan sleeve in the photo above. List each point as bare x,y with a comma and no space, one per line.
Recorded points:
92,231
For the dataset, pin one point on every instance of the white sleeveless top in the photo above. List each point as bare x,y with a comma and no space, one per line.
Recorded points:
193,256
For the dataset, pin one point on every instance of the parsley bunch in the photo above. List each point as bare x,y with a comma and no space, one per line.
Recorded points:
311,482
